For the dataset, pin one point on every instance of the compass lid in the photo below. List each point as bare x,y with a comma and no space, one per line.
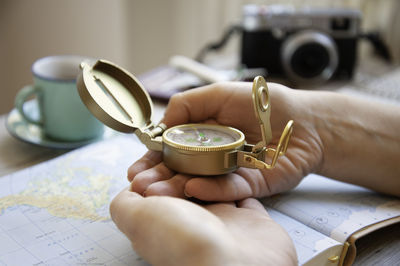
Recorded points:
114,96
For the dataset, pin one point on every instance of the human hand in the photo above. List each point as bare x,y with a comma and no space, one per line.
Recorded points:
231,104
171,231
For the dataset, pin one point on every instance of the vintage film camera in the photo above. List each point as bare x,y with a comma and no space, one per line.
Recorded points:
307,45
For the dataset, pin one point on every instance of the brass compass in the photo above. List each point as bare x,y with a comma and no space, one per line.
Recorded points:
118,99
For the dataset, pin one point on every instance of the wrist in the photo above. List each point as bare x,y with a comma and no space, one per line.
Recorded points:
338,125
359,140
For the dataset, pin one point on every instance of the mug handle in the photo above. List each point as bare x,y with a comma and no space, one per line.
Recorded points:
20,100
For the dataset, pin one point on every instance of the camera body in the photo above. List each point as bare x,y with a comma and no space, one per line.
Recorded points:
306,45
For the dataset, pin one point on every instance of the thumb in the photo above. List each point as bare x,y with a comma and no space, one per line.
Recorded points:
195,105
253,204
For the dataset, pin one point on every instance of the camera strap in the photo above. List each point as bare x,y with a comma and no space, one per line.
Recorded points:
380,48
219,44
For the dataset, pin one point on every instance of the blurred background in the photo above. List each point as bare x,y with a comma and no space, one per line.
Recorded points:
140,35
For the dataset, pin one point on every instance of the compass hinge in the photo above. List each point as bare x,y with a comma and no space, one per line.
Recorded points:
152,136
248,158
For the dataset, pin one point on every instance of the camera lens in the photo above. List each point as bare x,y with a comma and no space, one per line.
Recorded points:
309,57
309,60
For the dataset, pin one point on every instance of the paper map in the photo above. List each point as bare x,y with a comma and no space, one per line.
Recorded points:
56,213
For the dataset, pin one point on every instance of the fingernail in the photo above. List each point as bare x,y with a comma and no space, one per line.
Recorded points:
187,194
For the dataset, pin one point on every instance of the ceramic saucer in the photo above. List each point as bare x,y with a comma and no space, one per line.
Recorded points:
33,134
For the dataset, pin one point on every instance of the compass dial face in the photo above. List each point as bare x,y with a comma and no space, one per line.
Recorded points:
202,135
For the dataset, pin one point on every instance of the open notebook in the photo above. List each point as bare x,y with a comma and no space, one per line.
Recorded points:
325,217
56,213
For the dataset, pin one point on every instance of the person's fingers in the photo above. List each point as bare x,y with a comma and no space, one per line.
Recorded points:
253,204
169,187
230,203
229,187
149,160
119,205
144,179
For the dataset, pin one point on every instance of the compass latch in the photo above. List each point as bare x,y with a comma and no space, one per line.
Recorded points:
260,153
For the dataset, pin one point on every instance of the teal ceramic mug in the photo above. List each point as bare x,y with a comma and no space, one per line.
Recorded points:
63,116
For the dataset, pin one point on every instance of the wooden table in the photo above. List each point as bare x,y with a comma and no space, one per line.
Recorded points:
16,155
379,248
